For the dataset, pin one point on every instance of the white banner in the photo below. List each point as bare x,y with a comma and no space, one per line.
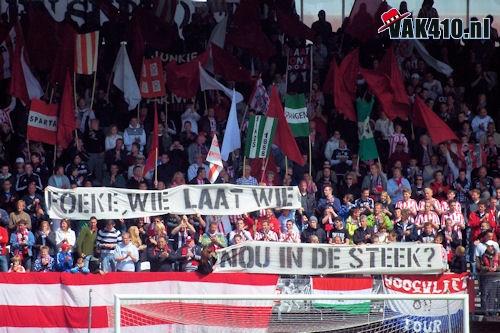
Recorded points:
316,259
218,199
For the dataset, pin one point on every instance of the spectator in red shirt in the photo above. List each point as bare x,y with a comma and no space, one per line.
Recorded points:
4,240
478,217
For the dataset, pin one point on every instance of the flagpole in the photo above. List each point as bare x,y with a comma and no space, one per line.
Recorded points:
156,150
166,113
286,166
55,155
244,115
311,74
310,156
74,89
205,99
51,95
95,78
244,161
264,167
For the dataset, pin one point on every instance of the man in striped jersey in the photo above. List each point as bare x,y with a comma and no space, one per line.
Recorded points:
428,215
455,215
106,242
408,203
428,198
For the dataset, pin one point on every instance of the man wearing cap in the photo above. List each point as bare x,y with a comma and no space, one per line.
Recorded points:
189,255
313,230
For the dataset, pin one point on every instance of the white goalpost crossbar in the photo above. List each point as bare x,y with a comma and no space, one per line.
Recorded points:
118,298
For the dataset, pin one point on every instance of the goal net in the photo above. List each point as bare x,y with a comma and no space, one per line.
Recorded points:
291,313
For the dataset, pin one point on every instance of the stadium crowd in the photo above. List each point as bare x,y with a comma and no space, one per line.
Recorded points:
415,192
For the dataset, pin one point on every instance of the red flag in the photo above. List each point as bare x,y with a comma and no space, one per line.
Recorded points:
42,122
389,65
137,45
67,122
364,19
227,66
184,80
380,85
65,56
291,25
424,117
283,137
328,85
345,85
23,83
152,78
153,150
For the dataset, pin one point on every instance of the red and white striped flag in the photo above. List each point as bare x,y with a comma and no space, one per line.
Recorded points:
86,46
215,160
59,302
42,122
152,78
6,54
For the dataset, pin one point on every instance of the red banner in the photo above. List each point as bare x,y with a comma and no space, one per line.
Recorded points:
152,78
42,122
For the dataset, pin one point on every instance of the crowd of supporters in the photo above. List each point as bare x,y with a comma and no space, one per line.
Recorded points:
415,192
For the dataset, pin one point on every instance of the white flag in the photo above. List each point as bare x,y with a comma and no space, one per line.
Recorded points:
232,140
183,14
439,66
218,35
214,159
207,82
124,79
56,9
34,88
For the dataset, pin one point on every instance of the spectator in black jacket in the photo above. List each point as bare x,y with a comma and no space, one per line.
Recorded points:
313,229
35,205
117,155
458,263
404,226
161,256
363,235
27,177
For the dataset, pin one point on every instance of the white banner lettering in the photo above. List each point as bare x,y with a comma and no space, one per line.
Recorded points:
40,120
316,259
218,199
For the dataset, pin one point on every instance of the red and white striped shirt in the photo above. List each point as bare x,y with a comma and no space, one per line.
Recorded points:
423,218
436,205
445,207
290,237
269,236
457,218
411,205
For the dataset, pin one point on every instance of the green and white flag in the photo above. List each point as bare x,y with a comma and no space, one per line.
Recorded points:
260,135
367,146
296,114
341,286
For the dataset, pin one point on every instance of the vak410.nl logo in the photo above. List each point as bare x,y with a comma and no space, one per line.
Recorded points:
402,26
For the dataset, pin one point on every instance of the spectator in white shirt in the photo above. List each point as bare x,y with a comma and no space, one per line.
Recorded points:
433,86
192,116
134,133
64,234
110,142
332,145
480,123
126,255
241,232
290,235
